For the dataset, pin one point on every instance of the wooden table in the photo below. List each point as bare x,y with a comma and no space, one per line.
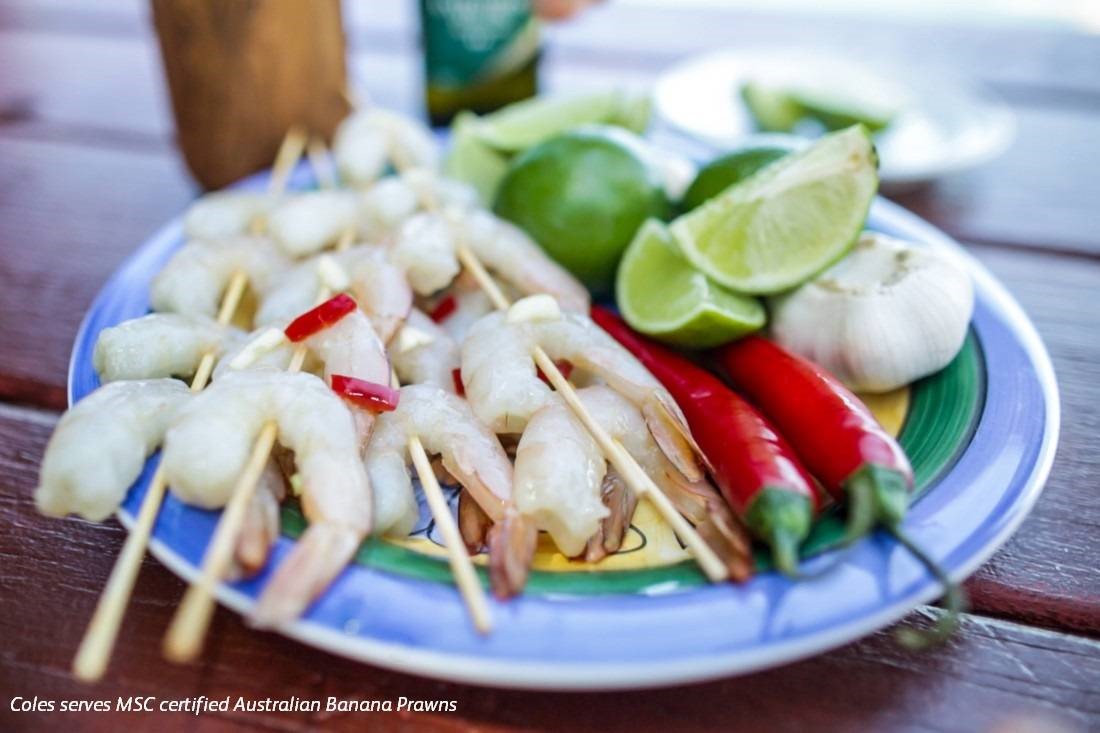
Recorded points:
87,170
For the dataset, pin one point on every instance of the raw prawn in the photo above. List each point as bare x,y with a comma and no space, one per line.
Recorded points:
423,353
306,223
503,387
208,445
223,214
100,445
160,345
349,347
471,453
366,142
379,287
193,280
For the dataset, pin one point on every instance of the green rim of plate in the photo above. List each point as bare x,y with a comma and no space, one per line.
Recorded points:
943,414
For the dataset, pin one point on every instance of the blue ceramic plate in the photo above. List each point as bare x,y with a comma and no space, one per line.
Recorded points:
658,626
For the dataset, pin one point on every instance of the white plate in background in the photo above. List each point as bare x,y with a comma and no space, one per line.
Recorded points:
944,127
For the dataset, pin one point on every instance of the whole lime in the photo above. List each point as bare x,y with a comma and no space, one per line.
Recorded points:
582,196
733,167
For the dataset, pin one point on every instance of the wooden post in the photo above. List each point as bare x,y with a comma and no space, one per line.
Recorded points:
241,72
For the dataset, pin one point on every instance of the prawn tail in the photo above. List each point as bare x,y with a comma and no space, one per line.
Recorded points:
512,543
473,523
316,559
258,533
729,540
669,428
621,502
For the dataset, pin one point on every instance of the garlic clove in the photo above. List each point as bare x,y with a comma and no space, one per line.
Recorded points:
887,314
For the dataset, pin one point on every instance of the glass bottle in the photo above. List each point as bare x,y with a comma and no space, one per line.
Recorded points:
478,55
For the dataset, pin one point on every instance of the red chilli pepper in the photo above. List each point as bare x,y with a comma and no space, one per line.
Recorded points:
321,317
758,473
443,309
371,395
456,376
841,443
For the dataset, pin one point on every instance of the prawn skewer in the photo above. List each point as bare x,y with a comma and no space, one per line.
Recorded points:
462,568
628,468
99,639
183,641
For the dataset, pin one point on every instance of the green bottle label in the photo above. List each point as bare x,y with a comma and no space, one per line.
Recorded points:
470,42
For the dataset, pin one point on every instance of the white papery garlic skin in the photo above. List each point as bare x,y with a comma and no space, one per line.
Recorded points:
887,314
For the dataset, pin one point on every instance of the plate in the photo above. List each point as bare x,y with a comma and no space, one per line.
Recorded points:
658,625
944,127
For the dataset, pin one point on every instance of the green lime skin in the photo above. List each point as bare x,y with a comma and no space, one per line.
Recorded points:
726,170
582,195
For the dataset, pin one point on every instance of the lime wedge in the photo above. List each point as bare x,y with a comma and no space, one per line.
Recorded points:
726,170
524,124
661,294
472,160
771,109
787,222
780,109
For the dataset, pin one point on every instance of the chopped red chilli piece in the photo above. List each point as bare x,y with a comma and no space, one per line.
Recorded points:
373,396
443,309
565,367
460,388
321,317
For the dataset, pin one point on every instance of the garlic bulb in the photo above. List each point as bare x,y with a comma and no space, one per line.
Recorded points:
887,314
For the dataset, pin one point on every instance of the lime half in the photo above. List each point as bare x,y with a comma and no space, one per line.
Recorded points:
524,124
784,224
661,294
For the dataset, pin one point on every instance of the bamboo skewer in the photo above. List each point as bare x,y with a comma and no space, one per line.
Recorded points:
95,648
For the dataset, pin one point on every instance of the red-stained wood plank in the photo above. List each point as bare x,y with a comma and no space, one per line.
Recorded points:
1049,573
68,216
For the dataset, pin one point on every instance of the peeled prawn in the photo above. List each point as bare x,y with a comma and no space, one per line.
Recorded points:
423,353
503,387
471,303
349,347
193,280
223,214
379,287
425,249
100,445
207,447
471,453
393,199
367,141
558,474
507,250
159,345
305,223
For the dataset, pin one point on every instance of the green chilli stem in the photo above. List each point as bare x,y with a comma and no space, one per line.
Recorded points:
954,600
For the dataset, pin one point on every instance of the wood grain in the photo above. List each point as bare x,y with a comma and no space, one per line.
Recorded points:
1048,572
68,216
987,675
